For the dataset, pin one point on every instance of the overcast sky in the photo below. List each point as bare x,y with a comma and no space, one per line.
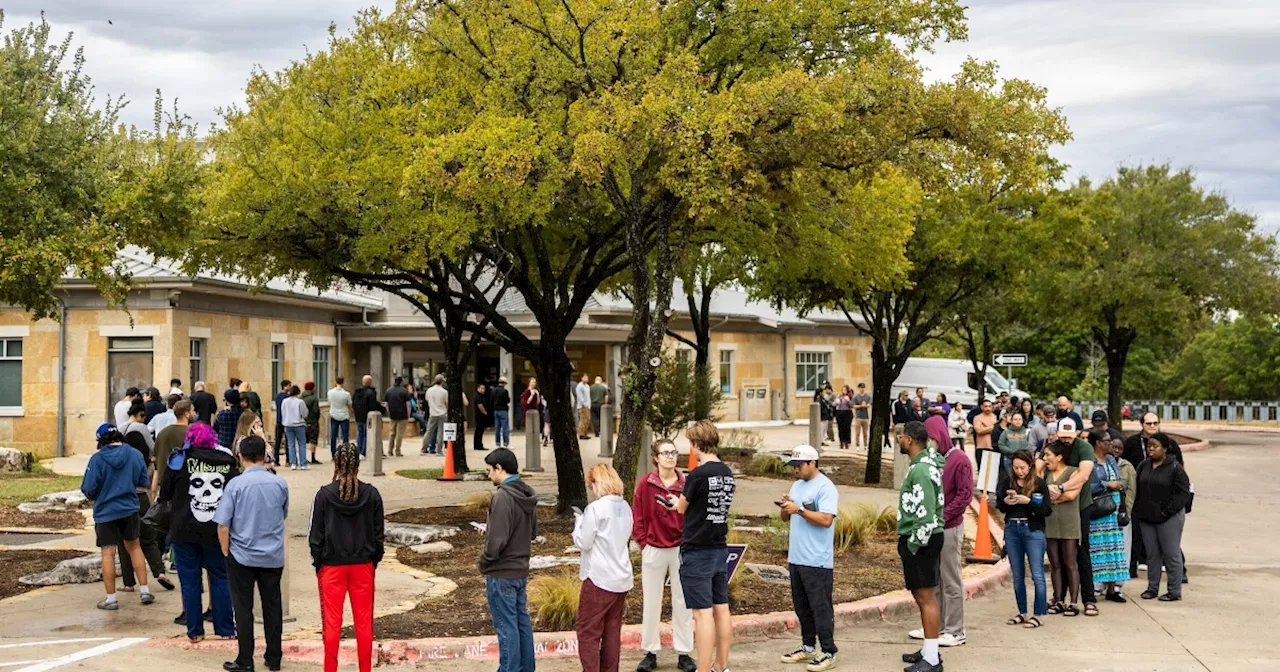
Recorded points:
1192,83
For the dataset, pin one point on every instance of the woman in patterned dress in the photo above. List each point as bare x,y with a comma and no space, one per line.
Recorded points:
1106,539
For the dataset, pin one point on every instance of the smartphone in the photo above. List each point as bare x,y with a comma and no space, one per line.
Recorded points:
664,501
480,526
778,502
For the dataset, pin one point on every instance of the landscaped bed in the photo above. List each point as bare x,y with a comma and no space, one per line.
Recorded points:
18,563
843,467
864,570
27,486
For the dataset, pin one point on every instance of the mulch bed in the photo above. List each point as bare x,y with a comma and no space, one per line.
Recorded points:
861,572
15,564
52,520
852,467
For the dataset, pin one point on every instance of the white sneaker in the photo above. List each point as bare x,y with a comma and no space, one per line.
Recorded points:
918,633
293,467
1142,566
948,639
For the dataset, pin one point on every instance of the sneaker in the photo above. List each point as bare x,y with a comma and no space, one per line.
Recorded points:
821,661
109,605
948,639
685,664
293,467
196,640
315,461
649,664
180,620
917,657
918,633
921,666
147,598
798,656
1170,597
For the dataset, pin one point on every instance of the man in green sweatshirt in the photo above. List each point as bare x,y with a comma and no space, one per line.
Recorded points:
920,538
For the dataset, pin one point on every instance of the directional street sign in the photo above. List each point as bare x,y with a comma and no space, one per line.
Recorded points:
1005,359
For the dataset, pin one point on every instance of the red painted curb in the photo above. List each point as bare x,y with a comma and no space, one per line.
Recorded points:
565,644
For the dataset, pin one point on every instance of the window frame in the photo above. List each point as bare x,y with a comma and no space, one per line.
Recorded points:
277,366
321,376
726,386
9,410
820,361
197,362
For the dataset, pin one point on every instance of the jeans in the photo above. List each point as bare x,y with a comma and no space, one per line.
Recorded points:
509,608
297,438
421,420
502,428
431,439
191,558
362,437
334,427
1026,548
811,596
243,579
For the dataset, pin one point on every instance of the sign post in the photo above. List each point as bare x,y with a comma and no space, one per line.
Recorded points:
1008,361
450,435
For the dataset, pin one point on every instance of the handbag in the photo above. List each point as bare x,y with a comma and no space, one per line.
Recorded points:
1122,514
1103,506
158,516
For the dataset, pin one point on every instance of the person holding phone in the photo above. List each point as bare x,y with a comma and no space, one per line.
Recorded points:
657,529
811,508
1025,506
602,533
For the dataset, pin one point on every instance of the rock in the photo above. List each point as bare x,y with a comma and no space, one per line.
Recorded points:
38,507
829,469
572,550
749,528
539,539
12,459
433,547
734,468
403,534
475,476
545,561
546,499
87,569
71,499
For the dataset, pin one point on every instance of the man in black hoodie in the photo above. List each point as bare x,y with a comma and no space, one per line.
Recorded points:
346,541
508,534
363,401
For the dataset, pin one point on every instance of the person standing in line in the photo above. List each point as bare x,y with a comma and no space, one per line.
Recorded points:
1014,438
154,404
531,400
940,407
293,415
1106,541
250,522
1062,531
312,402
958,425
1135,446
602,532
823,400
829,394
364,401
842,410
339,414
704,553
599,393
205,404
1025,506
138,436
861,417
415,410
483,414
250,398
170,438
1038,433
225,424
984,423
111,480
810,507
347,540
1102,423
901,413
1079,455
920,539
1066,409
196,488
120,412
437,414
582,402
1164,490
509,531
281,395
165,419
1128,474
657,530
502,414
957,489
924,401
396,400
175,387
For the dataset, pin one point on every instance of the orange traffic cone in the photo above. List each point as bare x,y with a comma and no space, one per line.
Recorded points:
449,474
693,458
982,544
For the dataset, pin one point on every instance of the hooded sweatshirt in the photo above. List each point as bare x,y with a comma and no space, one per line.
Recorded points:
346,534
656,525
196,489
111,481
510,531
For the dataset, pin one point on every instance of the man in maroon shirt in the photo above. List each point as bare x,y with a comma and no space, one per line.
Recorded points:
957,492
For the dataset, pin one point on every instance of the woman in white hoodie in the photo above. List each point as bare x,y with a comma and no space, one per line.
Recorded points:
602,532
959,426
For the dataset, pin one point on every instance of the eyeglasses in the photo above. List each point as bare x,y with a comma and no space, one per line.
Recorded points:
669,453
1153,422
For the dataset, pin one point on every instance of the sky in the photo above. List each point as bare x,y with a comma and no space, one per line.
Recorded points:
1191,83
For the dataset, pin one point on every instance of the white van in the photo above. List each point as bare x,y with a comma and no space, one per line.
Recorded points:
954,378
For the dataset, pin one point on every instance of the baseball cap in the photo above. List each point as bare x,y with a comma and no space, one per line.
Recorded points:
1099,416
102,429
1052,427
1067,426
801,454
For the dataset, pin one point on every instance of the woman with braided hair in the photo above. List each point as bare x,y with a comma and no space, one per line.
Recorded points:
346,546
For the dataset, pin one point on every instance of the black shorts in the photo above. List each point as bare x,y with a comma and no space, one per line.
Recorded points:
704,577
920,569
313,433
112,532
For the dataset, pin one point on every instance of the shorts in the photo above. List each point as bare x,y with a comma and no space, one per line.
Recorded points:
920,569
112,532
313,433
704,576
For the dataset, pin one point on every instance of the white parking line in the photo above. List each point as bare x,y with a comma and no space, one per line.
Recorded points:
20,662
82,655
56,641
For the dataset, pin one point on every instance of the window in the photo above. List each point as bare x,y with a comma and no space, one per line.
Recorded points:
682,355
11,373
812,368
320,367
277,366
197,351
129,364
726,372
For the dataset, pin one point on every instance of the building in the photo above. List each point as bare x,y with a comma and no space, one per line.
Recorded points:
213,327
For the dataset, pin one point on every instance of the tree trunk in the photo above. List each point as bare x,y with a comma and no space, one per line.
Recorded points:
702,379
1116,347
882,378
555,381
454,366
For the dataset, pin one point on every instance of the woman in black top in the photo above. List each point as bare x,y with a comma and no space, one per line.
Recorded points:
1160,510
1024,532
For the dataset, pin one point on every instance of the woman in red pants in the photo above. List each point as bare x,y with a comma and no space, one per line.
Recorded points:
602,532
346,547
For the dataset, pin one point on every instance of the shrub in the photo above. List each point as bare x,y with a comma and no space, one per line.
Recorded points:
853,527
743,442
553,599
886,520
777,535
477,503
766,464
674,403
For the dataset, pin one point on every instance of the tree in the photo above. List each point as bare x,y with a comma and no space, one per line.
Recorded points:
1167,254
74,187
1236,359
675,399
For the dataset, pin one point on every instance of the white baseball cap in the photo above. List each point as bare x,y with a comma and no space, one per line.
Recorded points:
1067,426
801,454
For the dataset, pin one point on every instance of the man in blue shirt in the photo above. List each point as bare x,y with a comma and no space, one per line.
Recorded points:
811,508
250,522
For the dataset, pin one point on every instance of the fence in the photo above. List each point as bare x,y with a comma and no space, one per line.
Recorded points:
1194,411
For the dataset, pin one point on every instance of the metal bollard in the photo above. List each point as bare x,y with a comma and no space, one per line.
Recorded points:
815,426
373,442
532,442
606,430
645,464
286,617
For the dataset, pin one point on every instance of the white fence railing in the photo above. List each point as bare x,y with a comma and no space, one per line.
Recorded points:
1194,411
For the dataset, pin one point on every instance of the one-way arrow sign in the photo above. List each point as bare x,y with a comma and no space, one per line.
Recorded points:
1009,360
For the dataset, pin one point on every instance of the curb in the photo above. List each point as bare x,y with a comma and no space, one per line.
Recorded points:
565,644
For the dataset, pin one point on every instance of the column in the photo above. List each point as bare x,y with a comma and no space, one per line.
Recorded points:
532,442
506,369
397,360
380,381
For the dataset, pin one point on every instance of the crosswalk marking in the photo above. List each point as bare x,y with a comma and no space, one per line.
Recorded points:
56,641
53,663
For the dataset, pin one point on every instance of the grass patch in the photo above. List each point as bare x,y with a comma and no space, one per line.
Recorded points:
27,486
553,600
421,474
766,464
